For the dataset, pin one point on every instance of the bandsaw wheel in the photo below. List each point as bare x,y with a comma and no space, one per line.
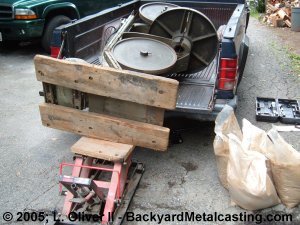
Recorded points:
145,55
192,34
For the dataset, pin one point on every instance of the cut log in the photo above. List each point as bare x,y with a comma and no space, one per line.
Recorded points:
288,23
273,18
105,127
272,8
288,11
104,81
277,22
281,13
287,20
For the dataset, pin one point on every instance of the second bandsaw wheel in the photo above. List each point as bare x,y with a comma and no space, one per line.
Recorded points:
191,31
150,11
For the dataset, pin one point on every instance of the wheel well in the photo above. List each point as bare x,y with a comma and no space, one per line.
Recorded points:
69,12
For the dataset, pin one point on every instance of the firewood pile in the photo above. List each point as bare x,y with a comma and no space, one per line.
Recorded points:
278,12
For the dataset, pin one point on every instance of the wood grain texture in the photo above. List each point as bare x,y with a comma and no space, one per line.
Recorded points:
100,149
104,81
126,110
105,127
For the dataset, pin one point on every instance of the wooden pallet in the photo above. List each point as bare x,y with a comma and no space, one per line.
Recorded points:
127,107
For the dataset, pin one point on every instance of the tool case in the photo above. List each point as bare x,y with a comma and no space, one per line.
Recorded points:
276,109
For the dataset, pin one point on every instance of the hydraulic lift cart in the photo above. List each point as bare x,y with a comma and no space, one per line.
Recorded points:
103,181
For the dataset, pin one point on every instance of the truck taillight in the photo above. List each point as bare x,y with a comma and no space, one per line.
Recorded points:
54,51
226,84
227,73
228,63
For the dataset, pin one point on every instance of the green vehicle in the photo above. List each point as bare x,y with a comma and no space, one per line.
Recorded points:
23,20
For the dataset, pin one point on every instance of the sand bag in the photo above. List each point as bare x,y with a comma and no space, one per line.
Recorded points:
285,164
256,139
249,184
284,161
226,123
221,150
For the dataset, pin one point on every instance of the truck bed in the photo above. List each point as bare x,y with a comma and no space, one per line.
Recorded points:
86,39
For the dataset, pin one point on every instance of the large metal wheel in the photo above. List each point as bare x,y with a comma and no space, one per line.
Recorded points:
192,33
150,11
144,55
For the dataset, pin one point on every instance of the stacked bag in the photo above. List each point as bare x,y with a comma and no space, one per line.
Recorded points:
256,167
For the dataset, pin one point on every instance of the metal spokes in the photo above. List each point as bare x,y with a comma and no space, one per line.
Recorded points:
191,32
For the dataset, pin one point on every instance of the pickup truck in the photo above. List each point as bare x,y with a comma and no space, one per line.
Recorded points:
22,20
202,94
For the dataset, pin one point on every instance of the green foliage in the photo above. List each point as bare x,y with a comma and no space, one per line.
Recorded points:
261,7
295,62
253,11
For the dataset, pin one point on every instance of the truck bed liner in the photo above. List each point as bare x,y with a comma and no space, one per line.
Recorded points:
196,90
205,76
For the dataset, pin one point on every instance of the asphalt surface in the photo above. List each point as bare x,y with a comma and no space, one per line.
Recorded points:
182,179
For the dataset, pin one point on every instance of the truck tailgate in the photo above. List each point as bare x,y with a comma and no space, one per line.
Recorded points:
196,90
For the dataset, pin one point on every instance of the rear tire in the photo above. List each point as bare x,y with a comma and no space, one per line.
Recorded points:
50,26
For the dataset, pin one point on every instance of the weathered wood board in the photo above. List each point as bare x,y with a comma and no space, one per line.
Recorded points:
99,149
126,110
105,127
104,81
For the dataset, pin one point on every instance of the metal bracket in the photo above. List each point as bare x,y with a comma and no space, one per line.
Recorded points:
49,93
114,201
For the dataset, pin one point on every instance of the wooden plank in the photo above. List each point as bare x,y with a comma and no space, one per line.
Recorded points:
272,8
288,23
281,13
100,149
126,110
105,127
104,81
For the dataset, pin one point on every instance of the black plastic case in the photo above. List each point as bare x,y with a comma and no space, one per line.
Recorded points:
273,110
289,111
267,109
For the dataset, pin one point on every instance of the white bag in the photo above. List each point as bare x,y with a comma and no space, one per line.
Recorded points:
226,123
249,184
284,161
285,164
256,139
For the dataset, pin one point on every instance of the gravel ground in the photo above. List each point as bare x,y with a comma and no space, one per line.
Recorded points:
286,37
182,179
